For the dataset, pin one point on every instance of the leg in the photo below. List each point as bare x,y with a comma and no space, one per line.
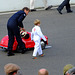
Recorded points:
40,49
32,5
61,6
68,8
46,7
19,40
11,39
36,48
10,42
45,3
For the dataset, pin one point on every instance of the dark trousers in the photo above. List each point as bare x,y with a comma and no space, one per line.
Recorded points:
13,30
65,3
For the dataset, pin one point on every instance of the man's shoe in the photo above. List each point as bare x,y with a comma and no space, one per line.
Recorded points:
33,10
24,51
70,11
49,7
10,54
34,57
59,11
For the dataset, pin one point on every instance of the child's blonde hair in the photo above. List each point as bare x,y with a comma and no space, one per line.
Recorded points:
36,22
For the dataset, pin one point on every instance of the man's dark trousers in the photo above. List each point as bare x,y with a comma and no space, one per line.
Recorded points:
65,3
14,22
13,30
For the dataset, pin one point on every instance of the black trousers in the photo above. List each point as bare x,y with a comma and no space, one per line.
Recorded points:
13,30
65,3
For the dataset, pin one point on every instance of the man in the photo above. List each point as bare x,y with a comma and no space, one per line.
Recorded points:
69,69
14,24
46,7
12,69
43,72
61,6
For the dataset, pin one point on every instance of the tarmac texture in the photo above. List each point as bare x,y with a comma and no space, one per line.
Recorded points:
60,30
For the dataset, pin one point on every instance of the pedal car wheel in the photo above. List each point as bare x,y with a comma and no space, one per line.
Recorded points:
43,45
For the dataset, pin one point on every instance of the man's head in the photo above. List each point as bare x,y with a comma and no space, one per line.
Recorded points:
42,72
37,22
11,68
26,10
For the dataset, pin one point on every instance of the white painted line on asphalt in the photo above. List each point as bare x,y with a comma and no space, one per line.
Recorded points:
7,13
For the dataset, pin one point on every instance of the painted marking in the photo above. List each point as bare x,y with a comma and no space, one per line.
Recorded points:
5,13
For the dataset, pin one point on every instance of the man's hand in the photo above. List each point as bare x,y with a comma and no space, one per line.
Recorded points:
22,29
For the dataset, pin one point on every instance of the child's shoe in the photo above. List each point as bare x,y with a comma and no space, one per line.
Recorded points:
34,57
42,55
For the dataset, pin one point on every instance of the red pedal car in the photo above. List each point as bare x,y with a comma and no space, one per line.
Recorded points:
28,43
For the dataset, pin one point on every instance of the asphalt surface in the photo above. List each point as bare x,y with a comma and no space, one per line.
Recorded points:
60,30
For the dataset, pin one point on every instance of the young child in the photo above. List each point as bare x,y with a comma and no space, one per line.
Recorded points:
36,36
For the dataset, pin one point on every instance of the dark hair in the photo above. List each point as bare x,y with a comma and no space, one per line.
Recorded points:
26,8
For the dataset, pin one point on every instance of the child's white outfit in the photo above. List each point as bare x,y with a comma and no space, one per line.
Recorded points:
36,36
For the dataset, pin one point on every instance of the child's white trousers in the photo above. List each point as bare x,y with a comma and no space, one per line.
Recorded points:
37,48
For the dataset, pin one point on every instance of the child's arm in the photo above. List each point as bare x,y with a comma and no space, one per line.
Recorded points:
39,32
31,35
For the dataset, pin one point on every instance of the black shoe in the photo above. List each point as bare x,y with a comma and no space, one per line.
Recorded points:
10,54
59,11
49,7
24,51
70,11
33,10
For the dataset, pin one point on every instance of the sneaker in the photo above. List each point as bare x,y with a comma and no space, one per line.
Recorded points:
24,51
42,55
34,57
